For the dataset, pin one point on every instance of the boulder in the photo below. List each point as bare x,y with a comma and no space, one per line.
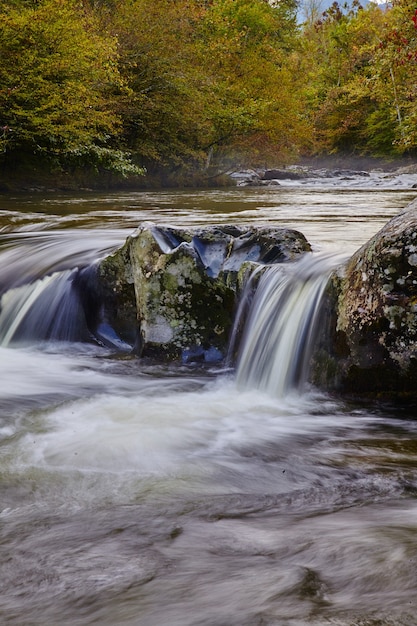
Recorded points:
171,293
369,337
275,174
349,173
246,178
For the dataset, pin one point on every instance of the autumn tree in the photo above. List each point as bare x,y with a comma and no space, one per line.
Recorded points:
57,80
202,86
394,80
339,51
254,111
362,80
161,109
210,83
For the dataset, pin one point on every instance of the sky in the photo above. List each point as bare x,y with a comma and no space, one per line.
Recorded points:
319,6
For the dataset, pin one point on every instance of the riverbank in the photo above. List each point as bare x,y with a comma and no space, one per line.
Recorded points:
41,180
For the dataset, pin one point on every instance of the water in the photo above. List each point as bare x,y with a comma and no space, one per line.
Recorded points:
149,495
282,324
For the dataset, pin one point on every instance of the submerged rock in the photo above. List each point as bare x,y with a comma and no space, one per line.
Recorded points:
370,342
171,293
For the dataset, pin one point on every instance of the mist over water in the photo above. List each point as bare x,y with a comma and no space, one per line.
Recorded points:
149,495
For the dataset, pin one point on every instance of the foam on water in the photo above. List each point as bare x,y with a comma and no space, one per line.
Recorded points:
375,179
152,433
26,373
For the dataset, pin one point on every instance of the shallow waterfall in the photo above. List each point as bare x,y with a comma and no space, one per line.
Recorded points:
45,309
40,297
281,325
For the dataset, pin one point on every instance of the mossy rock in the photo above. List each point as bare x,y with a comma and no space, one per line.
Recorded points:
175,290
369,342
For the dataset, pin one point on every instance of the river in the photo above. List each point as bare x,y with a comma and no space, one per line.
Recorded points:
148,495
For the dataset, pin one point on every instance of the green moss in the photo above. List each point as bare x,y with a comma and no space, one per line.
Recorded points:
180,302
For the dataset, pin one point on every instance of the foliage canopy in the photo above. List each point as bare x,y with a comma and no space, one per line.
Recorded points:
202,85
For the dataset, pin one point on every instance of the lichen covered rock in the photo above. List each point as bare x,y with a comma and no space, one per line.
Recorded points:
371,343
175,290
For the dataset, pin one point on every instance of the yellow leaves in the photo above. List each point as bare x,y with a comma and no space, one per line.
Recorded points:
359,78
59,77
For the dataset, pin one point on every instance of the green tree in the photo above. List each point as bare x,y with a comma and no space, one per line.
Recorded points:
57,78
395,78
254,110
341,48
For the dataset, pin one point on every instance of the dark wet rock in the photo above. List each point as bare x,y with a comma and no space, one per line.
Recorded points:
350,173
171,293
284,174
369,342
246,178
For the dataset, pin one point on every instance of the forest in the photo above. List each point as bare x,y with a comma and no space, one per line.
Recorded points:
174,91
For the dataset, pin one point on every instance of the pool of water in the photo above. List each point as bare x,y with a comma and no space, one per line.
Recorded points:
154,495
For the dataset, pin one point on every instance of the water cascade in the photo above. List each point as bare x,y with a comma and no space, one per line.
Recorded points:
48,308
40,294
279,317
281,325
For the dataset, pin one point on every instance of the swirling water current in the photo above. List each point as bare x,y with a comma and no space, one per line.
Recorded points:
137,494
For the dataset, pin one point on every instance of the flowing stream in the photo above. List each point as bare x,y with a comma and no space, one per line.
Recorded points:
151,495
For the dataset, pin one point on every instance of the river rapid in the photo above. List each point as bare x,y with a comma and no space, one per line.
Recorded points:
138,494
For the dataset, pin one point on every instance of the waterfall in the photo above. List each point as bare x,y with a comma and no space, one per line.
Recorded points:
281,325
41,286
47,308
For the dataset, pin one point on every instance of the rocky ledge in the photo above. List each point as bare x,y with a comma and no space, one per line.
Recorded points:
171,293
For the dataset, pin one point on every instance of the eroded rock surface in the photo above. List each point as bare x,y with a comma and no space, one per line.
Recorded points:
171,293
371,345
